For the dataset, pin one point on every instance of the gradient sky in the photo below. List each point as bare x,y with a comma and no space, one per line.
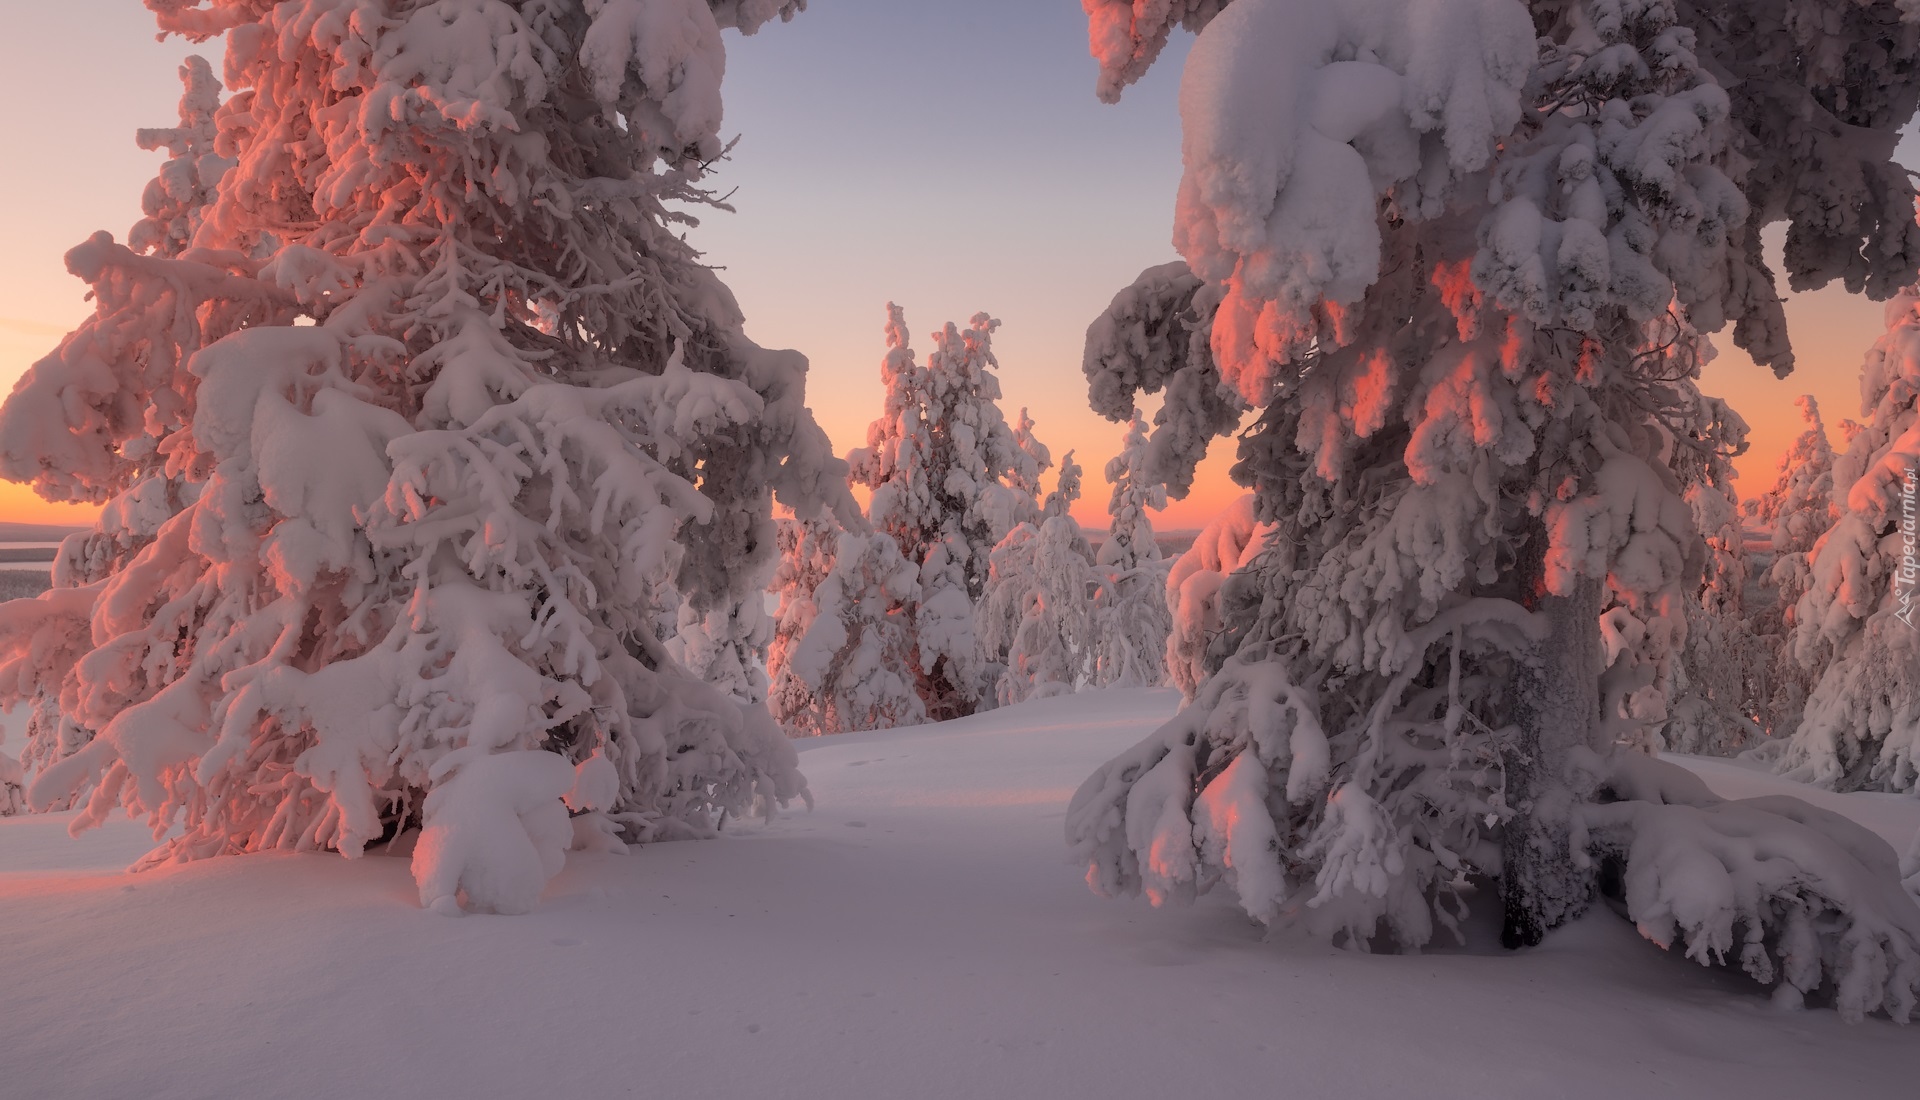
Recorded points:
948,156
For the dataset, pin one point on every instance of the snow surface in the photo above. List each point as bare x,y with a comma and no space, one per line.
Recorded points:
921,933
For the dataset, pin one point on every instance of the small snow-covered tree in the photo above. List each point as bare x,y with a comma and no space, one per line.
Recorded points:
1854,628
856,655
725,646
1025,474
449,402
1066,489
1042,600
1456,254
1134,622
939,461
806,553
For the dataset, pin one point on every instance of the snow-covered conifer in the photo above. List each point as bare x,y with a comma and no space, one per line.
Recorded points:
1720,674
939,461
1066,489
806,549
1134,622
1461,250
1854,627
1025,473
1040,616
448,399
856,657
725,646
1793,514
1800,507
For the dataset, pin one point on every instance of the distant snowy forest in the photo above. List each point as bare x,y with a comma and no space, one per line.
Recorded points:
446,503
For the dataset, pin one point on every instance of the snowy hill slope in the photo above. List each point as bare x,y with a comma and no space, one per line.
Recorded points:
918,935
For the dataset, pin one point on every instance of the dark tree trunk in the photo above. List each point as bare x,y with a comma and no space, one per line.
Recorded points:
1556,708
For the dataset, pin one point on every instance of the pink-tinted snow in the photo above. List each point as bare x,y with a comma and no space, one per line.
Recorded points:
918,935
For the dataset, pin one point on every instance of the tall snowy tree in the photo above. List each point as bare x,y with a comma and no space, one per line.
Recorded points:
1795,512
1133,618
1721,670
1856,627
1456,253
949,480
449,400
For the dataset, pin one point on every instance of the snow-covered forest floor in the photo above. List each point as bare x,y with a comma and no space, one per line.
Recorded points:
919,934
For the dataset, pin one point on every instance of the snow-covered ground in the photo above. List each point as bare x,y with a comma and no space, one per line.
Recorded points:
919,934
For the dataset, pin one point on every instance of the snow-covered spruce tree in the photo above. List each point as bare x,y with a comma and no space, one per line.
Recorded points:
448,398
1856,627
726,646
943,466
1720,673
806,553
1040,612
1025,476
1133,621
843,648
1794,513
1460,249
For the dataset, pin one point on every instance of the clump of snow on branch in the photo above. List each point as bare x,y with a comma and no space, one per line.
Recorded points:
1761,880
1134,619
1228,541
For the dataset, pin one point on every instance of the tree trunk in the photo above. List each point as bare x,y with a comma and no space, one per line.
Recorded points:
1556,707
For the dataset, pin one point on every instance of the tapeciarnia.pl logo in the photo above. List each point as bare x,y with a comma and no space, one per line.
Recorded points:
1908,575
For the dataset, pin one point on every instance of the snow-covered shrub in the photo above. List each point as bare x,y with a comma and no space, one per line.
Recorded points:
949,480
1458,255
443,404
1854,626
